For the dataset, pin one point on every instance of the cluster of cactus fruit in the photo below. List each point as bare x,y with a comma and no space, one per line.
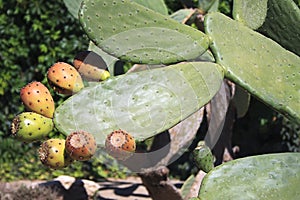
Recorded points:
35,124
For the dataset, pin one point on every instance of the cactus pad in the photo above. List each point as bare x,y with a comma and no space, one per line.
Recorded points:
143,103
282,24
251,13
264,177
156,5
256,63
129,31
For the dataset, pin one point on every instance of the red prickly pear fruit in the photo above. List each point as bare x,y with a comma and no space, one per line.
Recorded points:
30,127
120,144
52,154
64,78
81,145
37,98
91,66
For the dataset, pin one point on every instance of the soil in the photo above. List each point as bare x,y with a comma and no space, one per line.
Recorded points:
70,188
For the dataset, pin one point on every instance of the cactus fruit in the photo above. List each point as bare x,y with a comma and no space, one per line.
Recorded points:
64,78
120,144
81,145
37,98
30,127
203,157
90,66
52,154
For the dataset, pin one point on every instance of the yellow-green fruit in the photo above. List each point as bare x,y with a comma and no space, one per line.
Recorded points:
52,154
30,127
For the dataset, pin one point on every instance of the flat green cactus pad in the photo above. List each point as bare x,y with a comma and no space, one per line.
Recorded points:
256,63
282,24
264,177
251,13
143,103
132,32
156,5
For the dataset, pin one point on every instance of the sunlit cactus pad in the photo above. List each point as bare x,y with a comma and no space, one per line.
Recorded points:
282,24
263,177
142,103
250,13
256,63
132,32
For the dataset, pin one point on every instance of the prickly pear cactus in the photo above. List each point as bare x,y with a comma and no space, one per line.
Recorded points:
264,177
142,103
256,63
132,32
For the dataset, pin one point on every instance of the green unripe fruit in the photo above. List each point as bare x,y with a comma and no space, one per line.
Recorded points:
203,157
30,127
52,154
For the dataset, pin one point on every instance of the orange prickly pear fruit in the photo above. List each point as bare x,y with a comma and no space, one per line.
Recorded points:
37,98
120,144
81,145
64,78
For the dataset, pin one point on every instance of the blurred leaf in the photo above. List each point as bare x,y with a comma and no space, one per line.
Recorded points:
208,5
